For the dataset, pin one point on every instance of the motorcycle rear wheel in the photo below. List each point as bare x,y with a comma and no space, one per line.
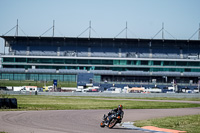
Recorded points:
102,124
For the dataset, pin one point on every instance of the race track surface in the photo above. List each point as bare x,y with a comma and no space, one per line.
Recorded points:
77,121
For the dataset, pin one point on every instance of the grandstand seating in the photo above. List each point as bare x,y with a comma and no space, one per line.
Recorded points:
166,73
103,72
71,71
12,70
141,73
41,71
191,74
135,50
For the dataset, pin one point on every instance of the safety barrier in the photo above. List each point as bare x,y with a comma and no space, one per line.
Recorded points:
8,103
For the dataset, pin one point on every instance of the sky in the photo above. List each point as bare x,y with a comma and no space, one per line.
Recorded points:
108,18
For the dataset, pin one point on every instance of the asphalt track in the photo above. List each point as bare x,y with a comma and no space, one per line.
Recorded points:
77,121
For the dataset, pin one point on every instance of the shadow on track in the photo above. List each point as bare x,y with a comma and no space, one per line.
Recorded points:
116,128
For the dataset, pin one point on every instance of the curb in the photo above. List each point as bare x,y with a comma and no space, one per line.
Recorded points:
130,125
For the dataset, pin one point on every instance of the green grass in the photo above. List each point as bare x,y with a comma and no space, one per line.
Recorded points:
168,98
35,83
189,123
147,98
27,102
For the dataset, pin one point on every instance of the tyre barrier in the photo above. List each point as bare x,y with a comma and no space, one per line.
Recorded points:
10,103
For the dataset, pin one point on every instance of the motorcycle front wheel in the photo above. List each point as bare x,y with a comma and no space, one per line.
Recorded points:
112,123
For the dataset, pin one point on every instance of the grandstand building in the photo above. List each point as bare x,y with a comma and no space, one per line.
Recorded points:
105,60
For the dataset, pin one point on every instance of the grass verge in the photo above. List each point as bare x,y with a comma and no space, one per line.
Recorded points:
189,123
147,98
32,102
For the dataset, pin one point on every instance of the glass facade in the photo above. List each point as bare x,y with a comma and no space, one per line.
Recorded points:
38,77
103,64
97,78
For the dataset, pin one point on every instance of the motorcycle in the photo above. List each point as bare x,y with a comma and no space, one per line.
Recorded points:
111,120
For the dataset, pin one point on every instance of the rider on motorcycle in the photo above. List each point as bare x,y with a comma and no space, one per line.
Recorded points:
118,111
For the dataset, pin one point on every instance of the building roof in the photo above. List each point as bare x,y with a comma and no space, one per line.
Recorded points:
93,39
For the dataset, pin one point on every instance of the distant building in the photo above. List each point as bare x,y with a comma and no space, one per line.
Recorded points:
115,61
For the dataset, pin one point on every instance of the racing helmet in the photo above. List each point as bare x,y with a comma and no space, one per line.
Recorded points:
120,107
